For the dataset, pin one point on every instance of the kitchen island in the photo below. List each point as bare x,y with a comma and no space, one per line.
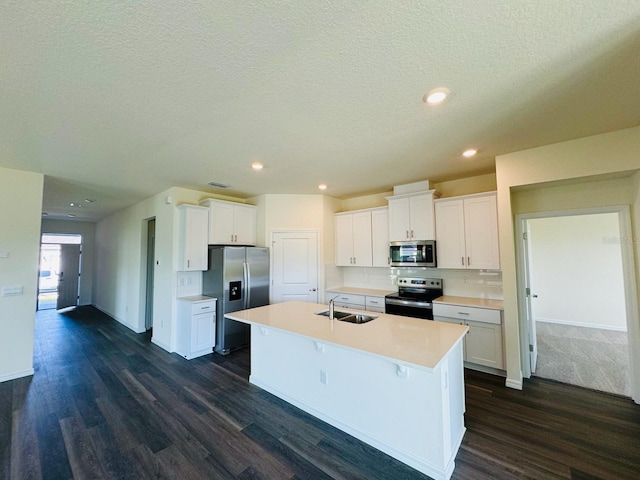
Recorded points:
396,383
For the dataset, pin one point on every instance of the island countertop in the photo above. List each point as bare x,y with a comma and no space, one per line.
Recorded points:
422,343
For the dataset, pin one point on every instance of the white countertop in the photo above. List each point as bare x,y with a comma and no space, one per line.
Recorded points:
196,298
423,343
362,291
471,302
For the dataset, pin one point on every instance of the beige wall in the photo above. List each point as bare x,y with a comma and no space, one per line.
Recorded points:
88,232
20,215
592,159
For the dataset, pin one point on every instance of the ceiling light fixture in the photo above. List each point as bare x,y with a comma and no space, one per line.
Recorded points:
436,96
322,186
90,200
469,153
71,215
257,166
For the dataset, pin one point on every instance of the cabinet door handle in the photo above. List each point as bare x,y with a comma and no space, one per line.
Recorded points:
411,233
188,263
407,233
468,261
232,237
463,313
462,261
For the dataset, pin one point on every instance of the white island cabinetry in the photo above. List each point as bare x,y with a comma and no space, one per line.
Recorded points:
196,330
395,383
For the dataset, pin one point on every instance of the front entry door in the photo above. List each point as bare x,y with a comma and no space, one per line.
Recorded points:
68,276
295,267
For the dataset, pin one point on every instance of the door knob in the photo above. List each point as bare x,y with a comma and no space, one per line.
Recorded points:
312,290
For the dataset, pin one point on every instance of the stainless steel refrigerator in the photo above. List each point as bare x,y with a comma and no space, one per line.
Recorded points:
239,278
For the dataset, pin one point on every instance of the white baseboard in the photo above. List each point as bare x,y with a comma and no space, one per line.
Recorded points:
161,345
119,320
515,383
580,324
14,375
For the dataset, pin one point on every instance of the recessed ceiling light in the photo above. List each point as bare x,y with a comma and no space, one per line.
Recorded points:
322,186
469,153
257,166
436,96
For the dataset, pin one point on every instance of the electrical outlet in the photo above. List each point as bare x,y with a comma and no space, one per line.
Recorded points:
181,281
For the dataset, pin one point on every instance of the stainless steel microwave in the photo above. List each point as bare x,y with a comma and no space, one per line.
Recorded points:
419,253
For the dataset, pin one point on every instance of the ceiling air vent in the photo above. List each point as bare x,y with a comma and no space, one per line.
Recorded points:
219,185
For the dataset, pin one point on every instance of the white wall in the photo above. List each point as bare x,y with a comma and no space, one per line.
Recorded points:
596,157
20,215
576,271
88,232
121,247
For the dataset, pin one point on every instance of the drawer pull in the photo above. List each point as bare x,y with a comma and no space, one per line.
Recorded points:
463,313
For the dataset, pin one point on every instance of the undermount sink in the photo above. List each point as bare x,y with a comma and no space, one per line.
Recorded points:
348,316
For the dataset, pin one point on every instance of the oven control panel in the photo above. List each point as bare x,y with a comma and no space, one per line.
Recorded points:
420,282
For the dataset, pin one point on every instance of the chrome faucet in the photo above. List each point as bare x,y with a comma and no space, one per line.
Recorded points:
331,308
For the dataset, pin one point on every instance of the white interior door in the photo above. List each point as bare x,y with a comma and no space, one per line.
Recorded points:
68,276
294,267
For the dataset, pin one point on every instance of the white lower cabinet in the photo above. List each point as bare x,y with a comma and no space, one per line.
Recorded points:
371,303
196,329
483,344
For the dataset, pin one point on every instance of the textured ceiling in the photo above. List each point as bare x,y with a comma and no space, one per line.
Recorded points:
118,101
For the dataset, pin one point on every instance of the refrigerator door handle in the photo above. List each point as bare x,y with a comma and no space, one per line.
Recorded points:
247,285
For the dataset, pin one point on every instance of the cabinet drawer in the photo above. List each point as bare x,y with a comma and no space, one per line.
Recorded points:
344,298
484,315
374,302
203,307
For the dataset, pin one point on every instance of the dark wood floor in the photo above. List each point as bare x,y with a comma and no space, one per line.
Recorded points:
106,403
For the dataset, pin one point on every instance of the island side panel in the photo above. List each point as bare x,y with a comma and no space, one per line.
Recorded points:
402,410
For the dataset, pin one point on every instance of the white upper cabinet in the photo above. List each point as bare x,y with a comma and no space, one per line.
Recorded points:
193,235
380,237
467,232
353,239
231,223
411,217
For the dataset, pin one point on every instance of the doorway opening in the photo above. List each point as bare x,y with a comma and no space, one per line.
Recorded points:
59,271
576,297
150,269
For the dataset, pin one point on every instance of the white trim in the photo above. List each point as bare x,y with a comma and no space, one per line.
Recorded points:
580,324
14,375
515,384
161,345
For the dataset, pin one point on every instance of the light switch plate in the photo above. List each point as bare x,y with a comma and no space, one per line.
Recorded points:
12,291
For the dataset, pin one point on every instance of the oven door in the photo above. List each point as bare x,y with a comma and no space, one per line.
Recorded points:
409,308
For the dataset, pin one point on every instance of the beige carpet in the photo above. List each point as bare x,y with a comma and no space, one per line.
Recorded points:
587,357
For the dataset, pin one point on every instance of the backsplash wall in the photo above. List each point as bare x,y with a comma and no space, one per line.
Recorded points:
463,283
